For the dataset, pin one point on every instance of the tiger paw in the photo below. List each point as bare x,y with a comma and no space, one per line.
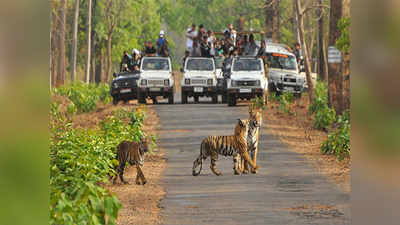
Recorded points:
236,172
245,171
253,171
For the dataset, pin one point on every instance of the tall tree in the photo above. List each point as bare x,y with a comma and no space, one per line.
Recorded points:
89,39
113,13
322,62
300,19
61,43
276,31
74,42
334,77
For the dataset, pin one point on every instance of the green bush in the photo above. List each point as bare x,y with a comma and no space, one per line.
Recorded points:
338,142
324,116
85,96
257,103
82,160
285,100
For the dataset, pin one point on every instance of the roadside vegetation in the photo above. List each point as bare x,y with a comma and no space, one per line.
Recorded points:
83,160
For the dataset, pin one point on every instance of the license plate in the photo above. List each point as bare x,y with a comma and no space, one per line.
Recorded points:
127,90
245,91
198,89
289,88
155,89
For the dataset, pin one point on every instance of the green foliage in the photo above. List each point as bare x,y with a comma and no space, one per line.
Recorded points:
324,116
338,142
84,96
343,43
82,160
258,103
285,100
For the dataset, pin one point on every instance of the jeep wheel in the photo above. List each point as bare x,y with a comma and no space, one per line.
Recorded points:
231,100
171,98
115,101
224,98
141,98
215,99
298,95
184,98
196,99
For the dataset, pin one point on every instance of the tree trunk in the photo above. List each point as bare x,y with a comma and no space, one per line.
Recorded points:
103,63
269,18
109,60
307,64
89,41
322,63
295,24
74,42
346,65
53,51
276,36
61,43
240,24
334,76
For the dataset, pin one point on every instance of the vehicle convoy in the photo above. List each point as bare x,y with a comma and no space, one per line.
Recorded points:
124,86
283,70
247,80
221,81
199,79
155,79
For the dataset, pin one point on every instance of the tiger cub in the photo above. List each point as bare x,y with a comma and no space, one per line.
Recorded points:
133,153
255,121
235,145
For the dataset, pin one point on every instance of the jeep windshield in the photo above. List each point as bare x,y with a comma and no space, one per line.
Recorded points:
200,64
155,64
282,61
247,65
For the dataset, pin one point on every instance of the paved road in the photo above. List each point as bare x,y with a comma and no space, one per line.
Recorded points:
285,191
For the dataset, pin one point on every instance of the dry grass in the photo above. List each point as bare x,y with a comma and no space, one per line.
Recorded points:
297,132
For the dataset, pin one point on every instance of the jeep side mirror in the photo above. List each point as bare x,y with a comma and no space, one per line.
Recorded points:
115,75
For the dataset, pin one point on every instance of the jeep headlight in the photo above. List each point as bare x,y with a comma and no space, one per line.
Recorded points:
258,83
209,82
115,85
187,81
143,82
234,83
166,82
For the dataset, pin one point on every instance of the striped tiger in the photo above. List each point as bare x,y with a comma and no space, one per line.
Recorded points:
132,153
235,145
255,121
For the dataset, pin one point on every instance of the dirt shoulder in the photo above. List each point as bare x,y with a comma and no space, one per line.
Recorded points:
139,203
297,132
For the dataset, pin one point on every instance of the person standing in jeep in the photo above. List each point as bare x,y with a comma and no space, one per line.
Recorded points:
149,49
126,62
191,34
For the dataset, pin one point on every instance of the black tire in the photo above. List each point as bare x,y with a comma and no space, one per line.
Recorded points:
115,101
196,99
215,99
184,98
171,98
298,95
231,100
141,98
224,99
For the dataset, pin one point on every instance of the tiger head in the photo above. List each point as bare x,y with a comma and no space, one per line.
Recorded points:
242,127
145,143
255,118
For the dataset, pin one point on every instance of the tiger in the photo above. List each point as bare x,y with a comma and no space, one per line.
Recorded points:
235,145
132,153
255,121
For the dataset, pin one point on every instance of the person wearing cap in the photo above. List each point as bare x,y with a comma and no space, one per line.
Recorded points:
161,41
191,34
135,57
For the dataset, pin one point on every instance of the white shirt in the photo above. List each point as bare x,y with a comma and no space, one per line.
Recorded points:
211,41
190,36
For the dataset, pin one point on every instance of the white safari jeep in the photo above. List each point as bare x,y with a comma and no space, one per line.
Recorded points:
247,79
156,79
199,79
283,72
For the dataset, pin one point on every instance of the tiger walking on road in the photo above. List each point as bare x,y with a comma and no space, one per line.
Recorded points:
235,145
